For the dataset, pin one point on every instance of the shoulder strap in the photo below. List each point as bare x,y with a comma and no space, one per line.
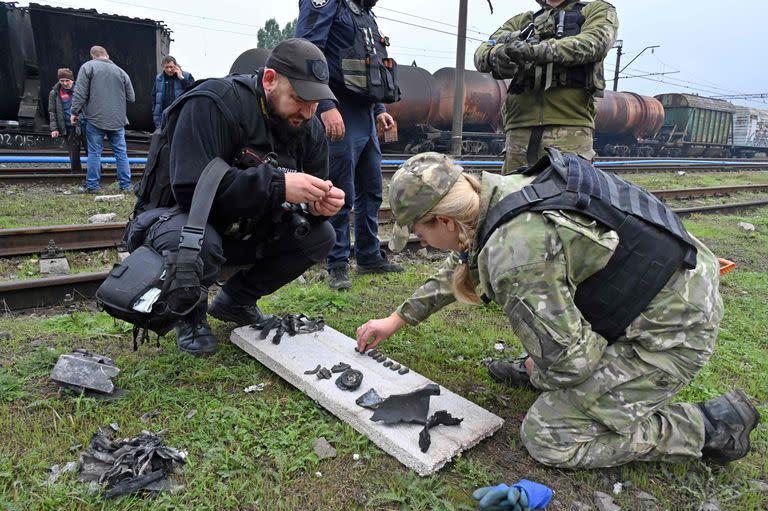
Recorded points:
202,200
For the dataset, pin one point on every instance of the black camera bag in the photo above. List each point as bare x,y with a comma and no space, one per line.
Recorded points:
176,275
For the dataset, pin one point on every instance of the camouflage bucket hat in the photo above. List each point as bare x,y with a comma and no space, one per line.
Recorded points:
417,186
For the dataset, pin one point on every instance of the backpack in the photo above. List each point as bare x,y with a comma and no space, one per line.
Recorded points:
154,190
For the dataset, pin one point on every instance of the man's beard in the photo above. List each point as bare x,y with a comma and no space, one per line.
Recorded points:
281,128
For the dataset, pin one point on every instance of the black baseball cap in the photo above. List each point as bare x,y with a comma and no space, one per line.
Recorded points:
305,67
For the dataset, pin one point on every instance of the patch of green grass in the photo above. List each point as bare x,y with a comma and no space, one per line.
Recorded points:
254,451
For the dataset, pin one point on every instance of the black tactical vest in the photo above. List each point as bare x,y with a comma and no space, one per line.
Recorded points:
368,72
653,244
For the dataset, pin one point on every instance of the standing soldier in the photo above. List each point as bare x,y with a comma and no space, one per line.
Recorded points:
363,78
554,59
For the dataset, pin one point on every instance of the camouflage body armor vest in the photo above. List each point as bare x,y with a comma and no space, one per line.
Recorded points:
653,244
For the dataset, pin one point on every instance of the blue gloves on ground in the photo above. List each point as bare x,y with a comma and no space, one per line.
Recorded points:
521,496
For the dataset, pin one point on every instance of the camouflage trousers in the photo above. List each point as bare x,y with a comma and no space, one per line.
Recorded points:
572,139
621,413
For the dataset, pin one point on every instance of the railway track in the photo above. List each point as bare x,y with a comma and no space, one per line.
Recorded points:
33,240
62,175
49,291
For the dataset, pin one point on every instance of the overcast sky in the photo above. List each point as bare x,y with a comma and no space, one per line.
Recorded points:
708,47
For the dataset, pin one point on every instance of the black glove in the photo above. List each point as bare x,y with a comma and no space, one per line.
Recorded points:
519,51
501,65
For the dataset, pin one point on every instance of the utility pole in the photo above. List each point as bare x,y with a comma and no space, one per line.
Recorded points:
458,89
618,46
616,79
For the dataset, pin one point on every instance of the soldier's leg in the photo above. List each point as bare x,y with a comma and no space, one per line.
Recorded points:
516,149
193,333
571,139
621,413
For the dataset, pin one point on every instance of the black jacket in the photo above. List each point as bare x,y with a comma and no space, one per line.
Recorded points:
203,132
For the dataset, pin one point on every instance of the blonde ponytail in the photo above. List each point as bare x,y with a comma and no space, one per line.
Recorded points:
461,203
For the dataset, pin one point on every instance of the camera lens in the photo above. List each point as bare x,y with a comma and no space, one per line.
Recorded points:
299,226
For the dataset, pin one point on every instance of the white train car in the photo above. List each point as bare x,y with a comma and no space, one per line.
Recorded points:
750,127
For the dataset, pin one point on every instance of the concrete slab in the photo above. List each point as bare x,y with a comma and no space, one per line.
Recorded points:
328,347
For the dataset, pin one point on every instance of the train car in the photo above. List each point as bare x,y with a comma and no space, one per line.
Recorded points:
750,131
695,126
43,39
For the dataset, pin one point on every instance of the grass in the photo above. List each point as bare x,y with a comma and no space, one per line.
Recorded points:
254,451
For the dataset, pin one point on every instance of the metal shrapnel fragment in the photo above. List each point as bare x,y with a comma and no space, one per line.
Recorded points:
387,363
83,371
340,367
323,374
437,418
412,407
313,371
349,379
403,370
370,399
373,353
395,367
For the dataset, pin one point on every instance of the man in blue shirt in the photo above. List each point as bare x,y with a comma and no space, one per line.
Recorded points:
168,86
362,78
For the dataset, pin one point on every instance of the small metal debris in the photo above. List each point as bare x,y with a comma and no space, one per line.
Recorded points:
56,471
370,399
387,363
85,372
323,374
292,324
313,371
373,353
258,387
340,367
395,367
403,370
349,379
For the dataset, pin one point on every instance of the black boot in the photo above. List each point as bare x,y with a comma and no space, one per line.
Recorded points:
511,371
225,308
338,276
728,421
194,336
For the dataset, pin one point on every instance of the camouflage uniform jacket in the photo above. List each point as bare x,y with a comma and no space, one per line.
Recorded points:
531,267
560,105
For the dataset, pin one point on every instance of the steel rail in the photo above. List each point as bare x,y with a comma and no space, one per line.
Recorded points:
49,291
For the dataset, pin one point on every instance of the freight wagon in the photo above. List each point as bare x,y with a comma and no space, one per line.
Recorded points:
41,39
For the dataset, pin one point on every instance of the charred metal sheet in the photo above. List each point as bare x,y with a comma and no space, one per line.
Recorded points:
411,407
